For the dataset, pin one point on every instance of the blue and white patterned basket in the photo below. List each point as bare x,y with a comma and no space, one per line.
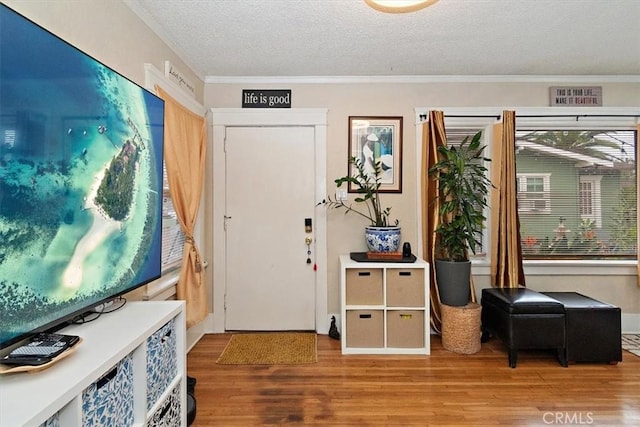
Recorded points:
109,401
168,415
382,239
162,362
53,421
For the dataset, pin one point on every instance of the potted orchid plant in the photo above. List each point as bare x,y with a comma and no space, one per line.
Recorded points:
382,234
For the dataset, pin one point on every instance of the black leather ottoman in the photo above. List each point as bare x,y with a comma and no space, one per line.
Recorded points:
594,328
524,319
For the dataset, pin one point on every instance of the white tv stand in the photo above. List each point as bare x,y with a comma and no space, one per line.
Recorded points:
141,347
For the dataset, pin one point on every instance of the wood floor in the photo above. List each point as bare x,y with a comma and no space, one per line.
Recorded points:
441,389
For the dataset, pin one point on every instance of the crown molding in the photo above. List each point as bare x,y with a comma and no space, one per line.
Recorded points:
422,79
160,32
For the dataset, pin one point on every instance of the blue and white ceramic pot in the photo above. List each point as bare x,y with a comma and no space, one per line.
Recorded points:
382,239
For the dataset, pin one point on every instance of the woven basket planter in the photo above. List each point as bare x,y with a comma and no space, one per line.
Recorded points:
461,329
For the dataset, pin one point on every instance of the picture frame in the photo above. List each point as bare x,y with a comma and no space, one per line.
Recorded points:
377,138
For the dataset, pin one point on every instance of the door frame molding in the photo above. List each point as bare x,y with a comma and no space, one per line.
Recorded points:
221,118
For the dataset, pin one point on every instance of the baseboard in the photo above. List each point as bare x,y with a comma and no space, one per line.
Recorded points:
197,331
631,323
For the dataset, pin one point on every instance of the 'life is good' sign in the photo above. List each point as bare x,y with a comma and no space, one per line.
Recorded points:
266,98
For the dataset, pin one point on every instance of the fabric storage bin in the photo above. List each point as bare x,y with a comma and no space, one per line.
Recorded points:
168,414
364,286
53,421
162,362
365,328
109,401
405,328
405,287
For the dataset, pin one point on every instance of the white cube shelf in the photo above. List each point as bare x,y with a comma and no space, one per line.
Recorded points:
385,307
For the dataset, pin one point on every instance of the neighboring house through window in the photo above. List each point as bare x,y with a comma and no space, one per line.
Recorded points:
576,193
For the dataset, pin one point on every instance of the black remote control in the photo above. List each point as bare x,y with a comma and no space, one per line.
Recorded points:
40,349
25,360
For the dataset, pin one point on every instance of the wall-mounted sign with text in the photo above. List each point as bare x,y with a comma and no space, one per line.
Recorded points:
572,96
176,76
266,98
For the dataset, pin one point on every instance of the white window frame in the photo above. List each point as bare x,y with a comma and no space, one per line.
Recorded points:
538,119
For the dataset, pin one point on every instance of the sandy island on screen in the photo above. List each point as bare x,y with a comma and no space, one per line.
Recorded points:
101,228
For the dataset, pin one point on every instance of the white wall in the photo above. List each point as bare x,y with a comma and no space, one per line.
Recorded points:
400,99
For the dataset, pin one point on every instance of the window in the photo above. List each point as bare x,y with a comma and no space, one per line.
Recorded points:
172,236
455,136
594,212
534,193
590,199
577,193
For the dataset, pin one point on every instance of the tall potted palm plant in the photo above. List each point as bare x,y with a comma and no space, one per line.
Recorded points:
382,234
463,187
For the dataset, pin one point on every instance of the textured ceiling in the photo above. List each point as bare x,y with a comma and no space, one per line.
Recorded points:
268,38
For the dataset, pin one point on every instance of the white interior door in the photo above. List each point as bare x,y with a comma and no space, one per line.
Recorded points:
270,191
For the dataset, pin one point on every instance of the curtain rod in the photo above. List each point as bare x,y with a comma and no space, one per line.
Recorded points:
470,116
577,116
535,116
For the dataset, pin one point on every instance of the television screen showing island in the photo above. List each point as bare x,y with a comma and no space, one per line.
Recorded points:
80,179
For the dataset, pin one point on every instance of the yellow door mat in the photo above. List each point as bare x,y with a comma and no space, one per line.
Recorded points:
270,348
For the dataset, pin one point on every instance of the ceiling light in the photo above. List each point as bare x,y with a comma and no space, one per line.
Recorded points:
399,6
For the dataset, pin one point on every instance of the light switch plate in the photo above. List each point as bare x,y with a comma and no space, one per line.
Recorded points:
341,194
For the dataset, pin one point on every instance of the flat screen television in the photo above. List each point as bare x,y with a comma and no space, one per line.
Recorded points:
80,181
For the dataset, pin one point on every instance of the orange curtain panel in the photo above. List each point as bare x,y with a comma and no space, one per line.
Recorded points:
184,156
433,136
506,251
